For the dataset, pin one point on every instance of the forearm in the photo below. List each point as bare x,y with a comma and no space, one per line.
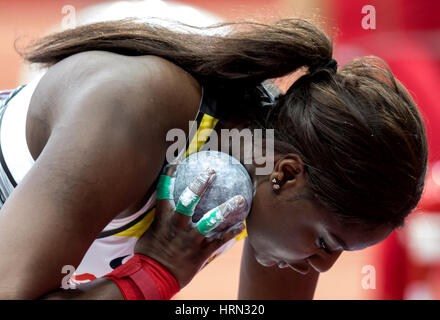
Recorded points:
100,289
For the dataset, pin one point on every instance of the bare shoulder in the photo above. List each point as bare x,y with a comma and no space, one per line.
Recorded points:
80,67
137,80
146,89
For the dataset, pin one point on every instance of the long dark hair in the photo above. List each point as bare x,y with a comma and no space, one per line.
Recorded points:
358,130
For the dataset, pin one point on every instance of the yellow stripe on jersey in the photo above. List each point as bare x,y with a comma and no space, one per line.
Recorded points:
207,124
243,234
139,228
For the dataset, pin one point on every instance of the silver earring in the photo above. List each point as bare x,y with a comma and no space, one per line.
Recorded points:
276,186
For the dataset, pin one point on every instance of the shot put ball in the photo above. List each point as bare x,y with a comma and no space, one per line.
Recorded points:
231,179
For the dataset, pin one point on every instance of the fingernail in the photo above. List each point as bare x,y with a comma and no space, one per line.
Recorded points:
211,178
240,201
233,204
211,173
206,176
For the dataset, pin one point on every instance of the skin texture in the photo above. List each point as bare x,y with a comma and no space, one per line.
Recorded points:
96,106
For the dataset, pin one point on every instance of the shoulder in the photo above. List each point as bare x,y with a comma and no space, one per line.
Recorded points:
88,65
144,93
143,86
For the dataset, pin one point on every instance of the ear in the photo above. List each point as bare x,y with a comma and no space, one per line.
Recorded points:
289,172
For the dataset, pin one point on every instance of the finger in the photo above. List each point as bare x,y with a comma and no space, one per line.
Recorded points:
232,232
221,239
165,189
190,197
170,169
215,217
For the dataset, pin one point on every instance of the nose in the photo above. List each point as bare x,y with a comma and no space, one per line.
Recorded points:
322,262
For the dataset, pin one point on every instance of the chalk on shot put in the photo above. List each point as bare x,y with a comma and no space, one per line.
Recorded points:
231,179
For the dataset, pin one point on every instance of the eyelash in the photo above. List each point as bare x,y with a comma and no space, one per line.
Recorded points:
324,246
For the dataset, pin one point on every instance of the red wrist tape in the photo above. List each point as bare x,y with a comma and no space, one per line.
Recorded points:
142,278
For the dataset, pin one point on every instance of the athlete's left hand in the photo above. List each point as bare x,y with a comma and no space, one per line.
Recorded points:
174,241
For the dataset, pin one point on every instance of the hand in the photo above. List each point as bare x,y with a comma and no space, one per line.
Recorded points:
174,241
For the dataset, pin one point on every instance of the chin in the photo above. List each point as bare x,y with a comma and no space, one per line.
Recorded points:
265,262
264,258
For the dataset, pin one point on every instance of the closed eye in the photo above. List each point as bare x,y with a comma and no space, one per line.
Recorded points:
324,246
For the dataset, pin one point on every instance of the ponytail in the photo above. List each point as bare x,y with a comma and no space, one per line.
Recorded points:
250,54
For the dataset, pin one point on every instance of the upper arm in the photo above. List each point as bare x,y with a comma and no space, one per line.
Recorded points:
259,282
104,151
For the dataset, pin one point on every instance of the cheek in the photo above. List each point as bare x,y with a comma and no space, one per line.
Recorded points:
261,222
260,210
278,231
283,243
296,242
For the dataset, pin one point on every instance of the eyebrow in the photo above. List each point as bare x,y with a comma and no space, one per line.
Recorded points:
340,242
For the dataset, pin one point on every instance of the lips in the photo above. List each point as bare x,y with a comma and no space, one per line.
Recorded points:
265,262
302,268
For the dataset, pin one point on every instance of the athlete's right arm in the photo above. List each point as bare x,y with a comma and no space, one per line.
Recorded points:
105,148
